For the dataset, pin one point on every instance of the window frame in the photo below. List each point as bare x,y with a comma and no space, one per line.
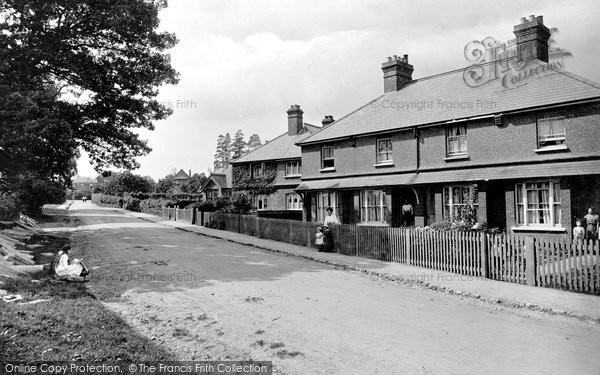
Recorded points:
330,158
295,206
289,168
260,167
321,206
523,210
379,207
448,204
456,128
389,152
559,139
263,199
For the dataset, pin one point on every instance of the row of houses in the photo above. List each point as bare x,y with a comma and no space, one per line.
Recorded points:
522,147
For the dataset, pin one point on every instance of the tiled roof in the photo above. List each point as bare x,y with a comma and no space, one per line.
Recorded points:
572,168
282,147
221,177
444,97
181,175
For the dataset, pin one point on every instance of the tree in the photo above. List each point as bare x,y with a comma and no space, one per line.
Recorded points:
223,154
194,183
165,185
253,142
78,73
128,182
238,147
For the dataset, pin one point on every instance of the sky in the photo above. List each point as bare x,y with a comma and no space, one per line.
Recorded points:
243,63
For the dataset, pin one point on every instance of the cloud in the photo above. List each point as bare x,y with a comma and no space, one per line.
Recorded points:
243,62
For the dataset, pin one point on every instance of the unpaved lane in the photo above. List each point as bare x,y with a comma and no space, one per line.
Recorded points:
208,298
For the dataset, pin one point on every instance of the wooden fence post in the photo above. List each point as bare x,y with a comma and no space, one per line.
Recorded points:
484,255
407,244
530,266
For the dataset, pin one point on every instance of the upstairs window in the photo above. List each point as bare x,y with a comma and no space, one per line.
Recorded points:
292,168
327,160
384,150
258,169
551,131
456,140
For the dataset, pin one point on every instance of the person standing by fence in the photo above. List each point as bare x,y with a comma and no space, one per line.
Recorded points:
591,225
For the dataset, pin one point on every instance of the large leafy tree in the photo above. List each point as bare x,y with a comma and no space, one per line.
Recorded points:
78,73
127,182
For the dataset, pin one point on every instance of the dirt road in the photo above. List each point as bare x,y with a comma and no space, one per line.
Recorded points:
212,299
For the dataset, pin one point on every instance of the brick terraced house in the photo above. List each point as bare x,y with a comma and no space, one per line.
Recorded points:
282,157
525,145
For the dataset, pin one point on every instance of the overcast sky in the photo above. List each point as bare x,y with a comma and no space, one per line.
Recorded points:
243,63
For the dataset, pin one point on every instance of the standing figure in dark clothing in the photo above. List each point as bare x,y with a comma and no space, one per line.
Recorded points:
407,214
591,225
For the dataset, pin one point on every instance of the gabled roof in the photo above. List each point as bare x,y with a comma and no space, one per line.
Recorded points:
220,177
282,147
181,175
446,97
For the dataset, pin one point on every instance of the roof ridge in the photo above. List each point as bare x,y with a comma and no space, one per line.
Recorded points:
340,119
258,148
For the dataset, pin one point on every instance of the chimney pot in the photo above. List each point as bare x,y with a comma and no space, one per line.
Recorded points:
523,19
327,120
532,17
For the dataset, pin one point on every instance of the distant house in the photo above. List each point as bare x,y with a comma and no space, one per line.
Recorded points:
523,147
181,177
282,157
84,183
218,184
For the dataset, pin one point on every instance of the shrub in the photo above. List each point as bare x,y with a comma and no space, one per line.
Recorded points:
132,204
9,208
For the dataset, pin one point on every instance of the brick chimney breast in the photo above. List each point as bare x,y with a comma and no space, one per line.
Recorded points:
532,39
397,72
295,121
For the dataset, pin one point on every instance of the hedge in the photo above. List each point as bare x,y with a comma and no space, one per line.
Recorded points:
132,203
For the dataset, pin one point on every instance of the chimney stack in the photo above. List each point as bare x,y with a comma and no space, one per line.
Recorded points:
295,122
190,173
328,119
397,72
532,39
